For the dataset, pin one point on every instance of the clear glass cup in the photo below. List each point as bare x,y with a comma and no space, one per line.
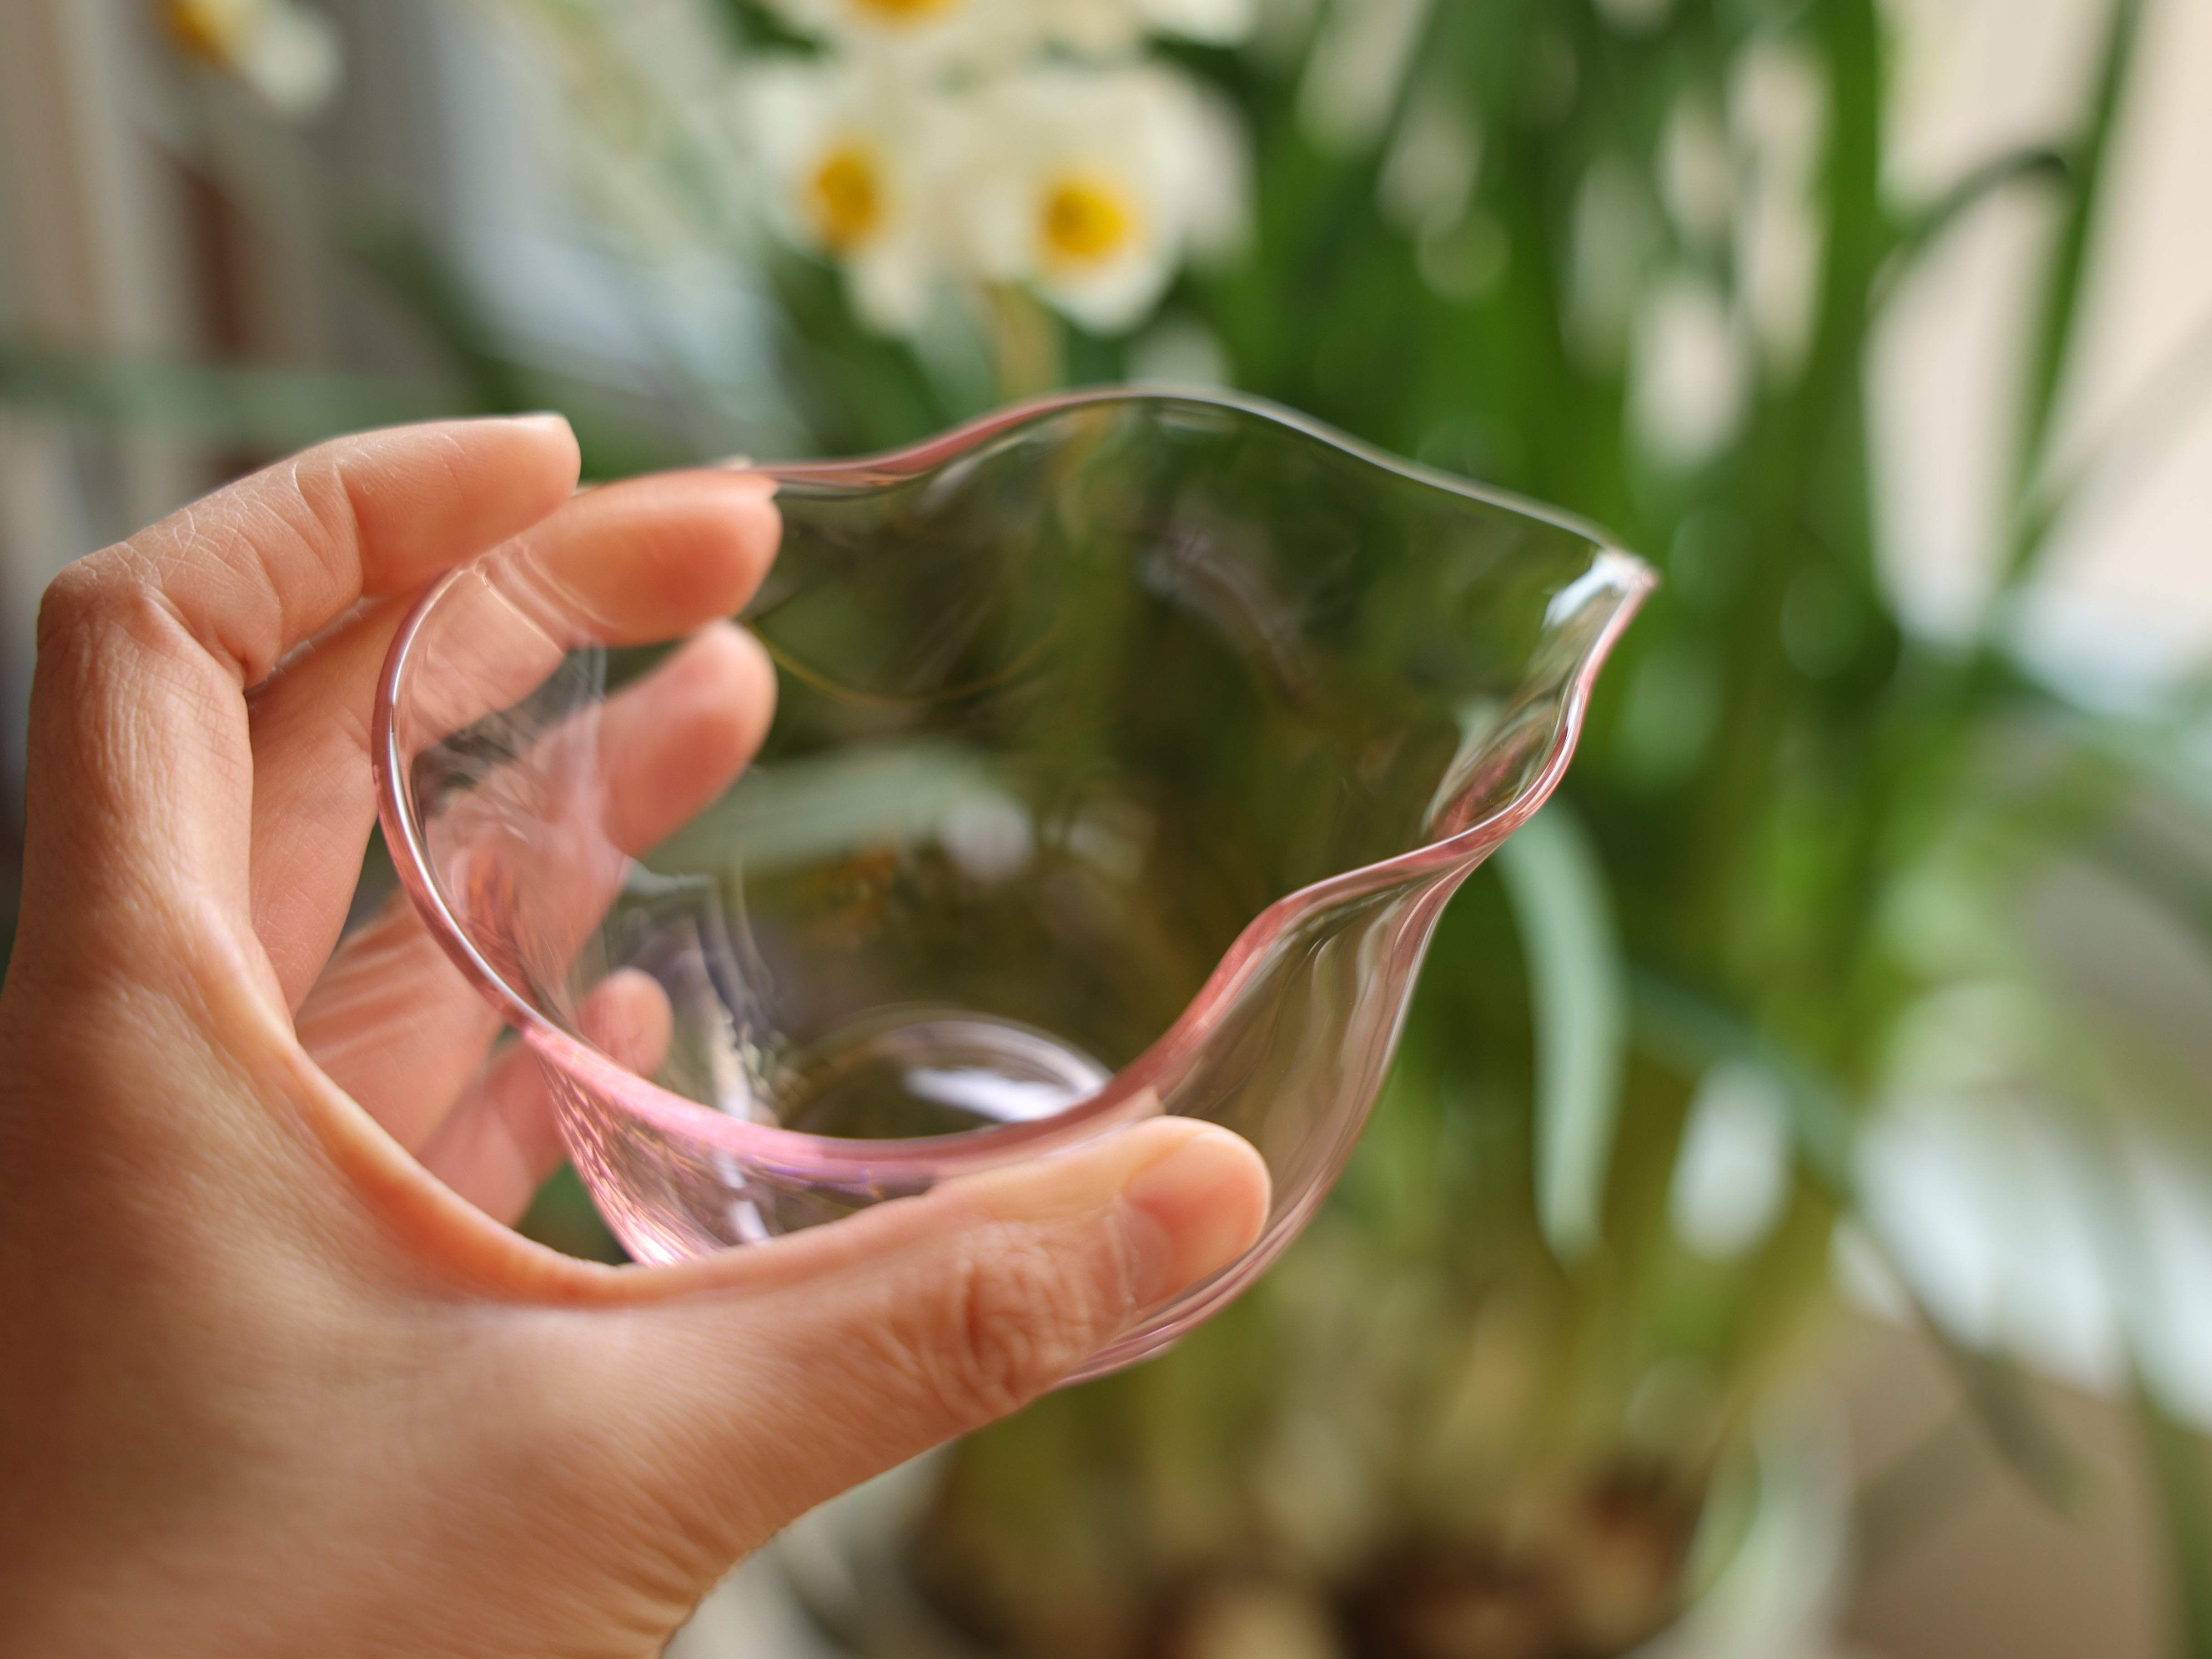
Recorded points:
1127,747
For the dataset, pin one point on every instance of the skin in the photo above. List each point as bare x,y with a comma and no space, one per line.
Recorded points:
278,1378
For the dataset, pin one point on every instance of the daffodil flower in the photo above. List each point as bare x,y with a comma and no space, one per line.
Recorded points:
1104,27
983,143
987,35
920,38
859,162
1095,184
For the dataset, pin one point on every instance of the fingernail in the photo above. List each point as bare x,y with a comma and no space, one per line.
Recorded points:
1193,1211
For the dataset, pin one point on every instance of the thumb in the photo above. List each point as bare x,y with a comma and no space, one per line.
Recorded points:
846,1351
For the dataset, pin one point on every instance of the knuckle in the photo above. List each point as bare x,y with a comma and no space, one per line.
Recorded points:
1014,1316
114,587
322,486
73,603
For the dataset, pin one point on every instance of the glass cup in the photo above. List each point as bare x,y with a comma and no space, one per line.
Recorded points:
1127,747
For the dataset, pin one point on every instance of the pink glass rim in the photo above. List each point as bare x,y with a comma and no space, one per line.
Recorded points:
944,1154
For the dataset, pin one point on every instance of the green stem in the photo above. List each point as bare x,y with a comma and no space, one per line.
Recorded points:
1790,467
2037,163
2061,298
2176,1456
1025,345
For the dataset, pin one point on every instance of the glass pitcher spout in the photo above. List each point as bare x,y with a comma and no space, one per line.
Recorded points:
1128,747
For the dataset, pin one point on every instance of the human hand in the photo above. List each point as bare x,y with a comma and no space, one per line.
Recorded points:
278,1379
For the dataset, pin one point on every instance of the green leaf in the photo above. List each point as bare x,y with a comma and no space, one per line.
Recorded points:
1900,1504
2039,163
2176,1456
2004,1405
1691,1033
2132,444
830,806
1578,990
2054,335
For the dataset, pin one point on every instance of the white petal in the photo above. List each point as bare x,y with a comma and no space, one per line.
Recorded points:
1636,16
1180,350
1115,299
1210,164
1217,22
292,58
1143,134
1096,28
951,35
891,288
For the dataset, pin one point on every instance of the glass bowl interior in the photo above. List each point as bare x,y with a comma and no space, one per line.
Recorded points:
1126,747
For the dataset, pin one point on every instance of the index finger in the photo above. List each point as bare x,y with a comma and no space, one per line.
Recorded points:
265,563
139,766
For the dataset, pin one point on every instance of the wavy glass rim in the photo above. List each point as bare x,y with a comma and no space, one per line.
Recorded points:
795,1150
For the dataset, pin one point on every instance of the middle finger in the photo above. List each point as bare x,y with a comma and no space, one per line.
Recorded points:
650,558
396,1024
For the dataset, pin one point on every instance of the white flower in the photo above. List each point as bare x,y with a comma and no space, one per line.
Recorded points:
1091,182
927,35
1101,27
1217,22
858,164
1092,185
288,56
920,36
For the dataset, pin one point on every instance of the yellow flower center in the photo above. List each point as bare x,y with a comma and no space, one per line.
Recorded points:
1085,221
210,30
901,11
845,198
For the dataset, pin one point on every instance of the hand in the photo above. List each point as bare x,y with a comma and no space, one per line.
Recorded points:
273,1383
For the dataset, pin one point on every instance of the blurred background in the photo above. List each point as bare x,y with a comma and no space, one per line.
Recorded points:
1788,1227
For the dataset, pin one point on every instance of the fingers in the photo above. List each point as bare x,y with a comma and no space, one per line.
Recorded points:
395,1025
257,568
315,796
648,559
498,1144
673,742
139,769
836,1354
688,547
